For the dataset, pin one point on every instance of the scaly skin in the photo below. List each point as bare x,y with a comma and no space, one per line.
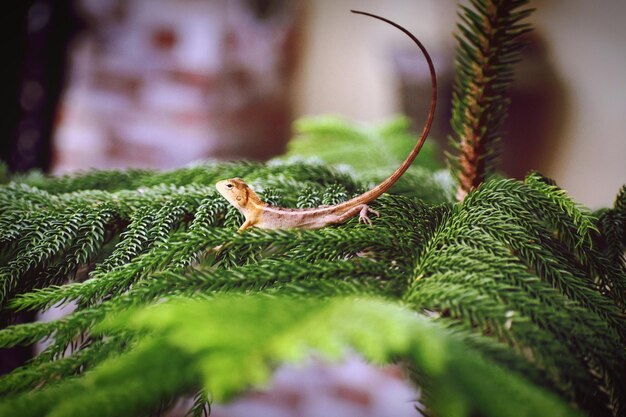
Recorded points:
260,214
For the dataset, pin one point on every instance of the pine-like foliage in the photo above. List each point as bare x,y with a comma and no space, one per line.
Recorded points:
488,47
364,148
203,349
516,279
372,152
509,303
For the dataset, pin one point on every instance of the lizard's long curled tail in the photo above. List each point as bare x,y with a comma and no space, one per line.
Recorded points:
386,184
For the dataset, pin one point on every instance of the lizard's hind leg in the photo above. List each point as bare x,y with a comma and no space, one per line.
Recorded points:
362,210
363,214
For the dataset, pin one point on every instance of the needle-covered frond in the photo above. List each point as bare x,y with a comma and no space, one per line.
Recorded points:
226,344
363,147
488,47
516,261
373,153
519,273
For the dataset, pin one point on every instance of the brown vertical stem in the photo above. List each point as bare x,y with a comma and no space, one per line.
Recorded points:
486,52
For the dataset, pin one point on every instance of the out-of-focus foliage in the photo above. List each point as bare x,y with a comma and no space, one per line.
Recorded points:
373,153
364,148
227,344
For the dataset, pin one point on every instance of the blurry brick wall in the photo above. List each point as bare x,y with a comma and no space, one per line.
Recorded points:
159,83
351,388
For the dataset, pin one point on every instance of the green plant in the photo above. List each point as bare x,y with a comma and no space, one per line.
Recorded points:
508,303
488,48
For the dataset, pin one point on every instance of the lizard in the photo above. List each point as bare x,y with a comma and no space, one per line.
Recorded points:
264,216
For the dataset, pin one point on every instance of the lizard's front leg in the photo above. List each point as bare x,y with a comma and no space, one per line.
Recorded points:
248,223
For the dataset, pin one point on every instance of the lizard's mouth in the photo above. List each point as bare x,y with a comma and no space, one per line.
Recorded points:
221,187
225,188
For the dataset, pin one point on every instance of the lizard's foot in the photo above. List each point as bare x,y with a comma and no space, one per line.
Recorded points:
363,215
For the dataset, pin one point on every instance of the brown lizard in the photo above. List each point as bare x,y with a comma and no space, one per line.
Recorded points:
260,214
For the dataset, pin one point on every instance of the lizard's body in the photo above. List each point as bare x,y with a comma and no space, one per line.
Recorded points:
262,215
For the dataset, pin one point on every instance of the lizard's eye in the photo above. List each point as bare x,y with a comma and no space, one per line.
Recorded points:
229,185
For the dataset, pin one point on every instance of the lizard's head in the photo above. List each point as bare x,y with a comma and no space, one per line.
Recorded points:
235,191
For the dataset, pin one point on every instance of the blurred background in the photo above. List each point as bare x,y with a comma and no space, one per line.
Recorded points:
161,83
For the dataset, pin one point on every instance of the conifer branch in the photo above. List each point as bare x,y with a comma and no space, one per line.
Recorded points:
519,272
488,47
175,355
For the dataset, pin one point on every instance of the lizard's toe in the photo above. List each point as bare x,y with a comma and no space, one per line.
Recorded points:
365,219
363,215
